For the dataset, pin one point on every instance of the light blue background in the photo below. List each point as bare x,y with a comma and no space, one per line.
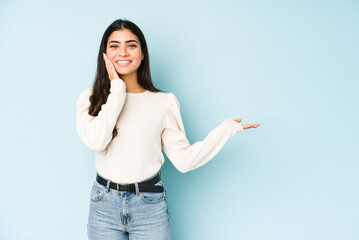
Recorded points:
291,66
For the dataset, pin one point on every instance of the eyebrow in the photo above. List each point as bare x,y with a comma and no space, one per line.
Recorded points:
126,41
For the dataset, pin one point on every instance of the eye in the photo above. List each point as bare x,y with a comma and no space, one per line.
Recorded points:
113,46
133,45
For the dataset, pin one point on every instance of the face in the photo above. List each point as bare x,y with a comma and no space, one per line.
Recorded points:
124,45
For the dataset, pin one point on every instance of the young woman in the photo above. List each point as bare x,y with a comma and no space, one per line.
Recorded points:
127,121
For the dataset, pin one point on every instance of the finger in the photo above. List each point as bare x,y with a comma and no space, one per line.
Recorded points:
246,126
112,66
105,59
113,70
108,68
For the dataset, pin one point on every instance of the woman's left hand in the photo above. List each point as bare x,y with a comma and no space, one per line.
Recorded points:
246,126
112,74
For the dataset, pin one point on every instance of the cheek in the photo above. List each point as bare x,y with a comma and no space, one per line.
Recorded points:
138,56
110,51
110,54
135,52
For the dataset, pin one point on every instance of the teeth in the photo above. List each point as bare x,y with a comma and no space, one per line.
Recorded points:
123,61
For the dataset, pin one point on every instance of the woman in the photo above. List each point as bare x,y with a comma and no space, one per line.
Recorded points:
126,121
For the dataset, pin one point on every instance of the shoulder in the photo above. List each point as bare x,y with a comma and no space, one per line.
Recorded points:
86,92
171,96
84,95
167,97
172,101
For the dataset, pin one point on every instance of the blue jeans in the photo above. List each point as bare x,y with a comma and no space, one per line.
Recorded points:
123,215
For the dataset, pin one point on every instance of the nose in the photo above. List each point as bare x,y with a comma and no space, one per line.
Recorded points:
122,51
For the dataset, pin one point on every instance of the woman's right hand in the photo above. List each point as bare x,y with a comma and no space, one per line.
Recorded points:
112,74
246,126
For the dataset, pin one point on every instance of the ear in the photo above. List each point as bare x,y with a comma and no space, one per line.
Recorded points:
143,55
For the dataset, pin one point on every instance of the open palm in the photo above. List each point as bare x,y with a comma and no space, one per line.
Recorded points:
245,126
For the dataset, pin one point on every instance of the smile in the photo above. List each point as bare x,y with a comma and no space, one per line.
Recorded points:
123,63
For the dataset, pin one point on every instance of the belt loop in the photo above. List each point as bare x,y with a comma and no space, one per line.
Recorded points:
108,186
137,190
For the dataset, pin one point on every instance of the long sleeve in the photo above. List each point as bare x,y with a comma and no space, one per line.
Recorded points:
96,131
184,156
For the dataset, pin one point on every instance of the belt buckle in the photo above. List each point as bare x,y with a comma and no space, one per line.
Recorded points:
117,186
127,186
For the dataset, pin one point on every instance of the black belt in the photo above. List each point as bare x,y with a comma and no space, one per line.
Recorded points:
147,186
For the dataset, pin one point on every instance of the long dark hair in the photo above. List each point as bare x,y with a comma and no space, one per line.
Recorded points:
101,85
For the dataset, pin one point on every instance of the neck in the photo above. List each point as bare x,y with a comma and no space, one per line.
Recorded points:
132,85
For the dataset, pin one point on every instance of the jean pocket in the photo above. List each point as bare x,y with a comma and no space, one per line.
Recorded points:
152,197
97,191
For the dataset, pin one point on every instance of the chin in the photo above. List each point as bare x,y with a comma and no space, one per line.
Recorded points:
124,71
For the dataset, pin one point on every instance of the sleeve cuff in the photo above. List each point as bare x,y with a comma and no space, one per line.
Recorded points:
117,84
235,125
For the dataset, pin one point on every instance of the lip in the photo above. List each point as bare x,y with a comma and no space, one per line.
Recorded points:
123,60
123,64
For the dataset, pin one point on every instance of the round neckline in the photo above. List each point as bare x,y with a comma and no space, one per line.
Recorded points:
137,93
